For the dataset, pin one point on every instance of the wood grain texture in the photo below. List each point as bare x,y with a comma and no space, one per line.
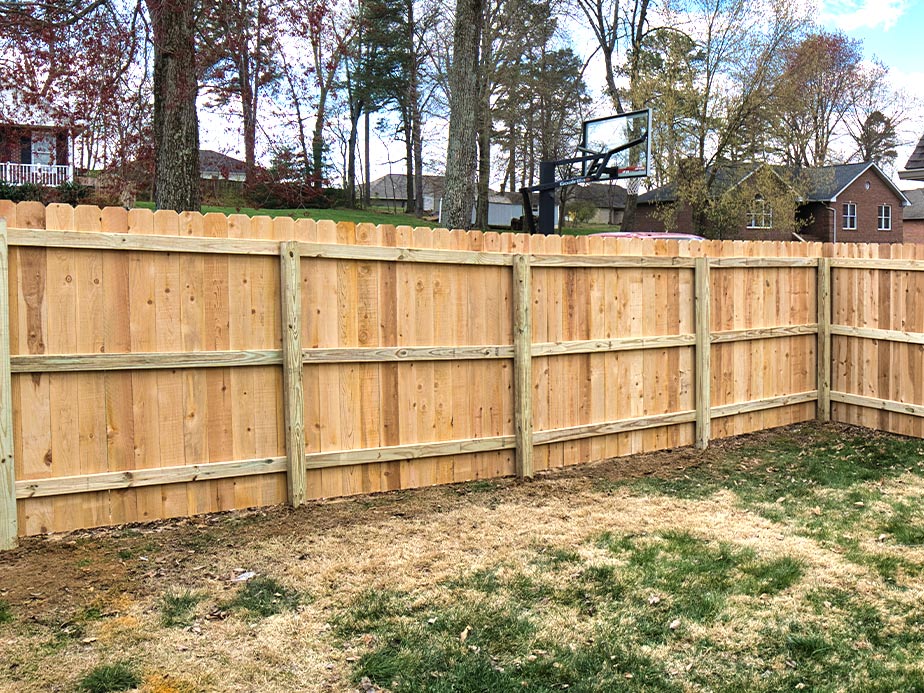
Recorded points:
136,361
146,347
703,369
878,403
522,365
823,302
8,516
128,479
292,376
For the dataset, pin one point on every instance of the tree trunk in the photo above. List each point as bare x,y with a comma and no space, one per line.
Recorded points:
176,125
484,170
463,111
628,215
410,203
317,142
367,168
351,152
418,165
249,112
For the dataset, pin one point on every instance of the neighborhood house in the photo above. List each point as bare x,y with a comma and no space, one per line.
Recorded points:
35,154
848,203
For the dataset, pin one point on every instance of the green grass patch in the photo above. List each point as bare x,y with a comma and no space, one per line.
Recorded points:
6,614
822,483
108,678
264,596
176,609
553,556
374,215
905,525
484,644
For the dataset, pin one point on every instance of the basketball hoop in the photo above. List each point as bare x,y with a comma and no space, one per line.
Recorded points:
612,148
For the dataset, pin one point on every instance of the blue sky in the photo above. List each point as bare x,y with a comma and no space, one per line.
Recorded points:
892,31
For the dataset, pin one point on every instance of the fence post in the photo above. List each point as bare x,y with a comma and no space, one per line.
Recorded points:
292,369
702,320
823,378
522,365
8,522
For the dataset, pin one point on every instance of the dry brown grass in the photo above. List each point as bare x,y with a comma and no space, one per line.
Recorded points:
411,542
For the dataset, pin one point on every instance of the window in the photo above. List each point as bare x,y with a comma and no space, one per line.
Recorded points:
885,218
760,215
850,216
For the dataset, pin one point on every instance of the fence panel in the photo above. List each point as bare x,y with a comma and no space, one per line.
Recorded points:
148,377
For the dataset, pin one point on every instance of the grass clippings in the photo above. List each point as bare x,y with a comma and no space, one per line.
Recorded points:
789,560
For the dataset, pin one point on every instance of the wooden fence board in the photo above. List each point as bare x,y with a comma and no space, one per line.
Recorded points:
146,354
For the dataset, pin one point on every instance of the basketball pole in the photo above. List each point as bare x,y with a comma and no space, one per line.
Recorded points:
547,198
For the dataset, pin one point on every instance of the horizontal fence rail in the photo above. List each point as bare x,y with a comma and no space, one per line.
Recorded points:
205,362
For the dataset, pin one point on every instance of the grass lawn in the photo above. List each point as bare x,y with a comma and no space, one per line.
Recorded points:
376,215
783,561
357,216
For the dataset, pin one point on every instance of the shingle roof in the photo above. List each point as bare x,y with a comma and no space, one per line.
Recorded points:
823,183
603,195
916,210
216,161
393,186
916,161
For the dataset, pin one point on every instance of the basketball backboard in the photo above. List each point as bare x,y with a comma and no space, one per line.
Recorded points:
623,143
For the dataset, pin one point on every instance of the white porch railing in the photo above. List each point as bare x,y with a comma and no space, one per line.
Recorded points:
35,174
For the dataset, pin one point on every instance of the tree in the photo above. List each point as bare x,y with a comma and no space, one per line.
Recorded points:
876,140
739,45
78,66
878,114
463,113
238,54
176,122
816,93
328,28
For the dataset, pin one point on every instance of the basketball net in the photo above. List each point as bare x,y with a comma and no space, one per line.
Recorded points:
632,186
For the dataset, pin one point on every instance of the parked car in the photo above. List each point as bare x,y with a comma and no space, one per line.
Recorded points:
663,235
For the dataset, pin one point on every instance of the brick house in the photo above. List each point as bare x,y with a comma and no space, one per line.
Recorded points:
36,145
35,154
850,203
914,216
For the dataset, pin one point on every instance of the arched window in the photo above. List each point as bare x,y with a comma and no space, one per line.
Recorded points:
760,214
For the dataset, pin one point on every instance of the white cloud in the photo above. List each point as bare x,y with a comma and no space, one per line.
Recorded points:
850,15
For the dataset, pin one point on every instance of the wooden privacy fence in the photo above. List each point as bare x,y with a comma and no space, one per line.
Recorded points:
155,365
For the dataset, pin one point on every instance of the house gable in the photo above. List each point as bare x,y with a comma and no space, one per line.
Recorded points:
866,193
914,168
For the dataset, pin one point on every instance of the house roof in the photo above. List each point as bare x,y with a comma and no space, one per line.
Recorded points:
394,187
602,195
914,168
823,183
210,160
916,210
32,112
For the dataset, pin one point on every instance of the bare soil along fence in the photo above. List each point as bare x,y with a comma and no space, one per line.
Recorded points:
156,365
